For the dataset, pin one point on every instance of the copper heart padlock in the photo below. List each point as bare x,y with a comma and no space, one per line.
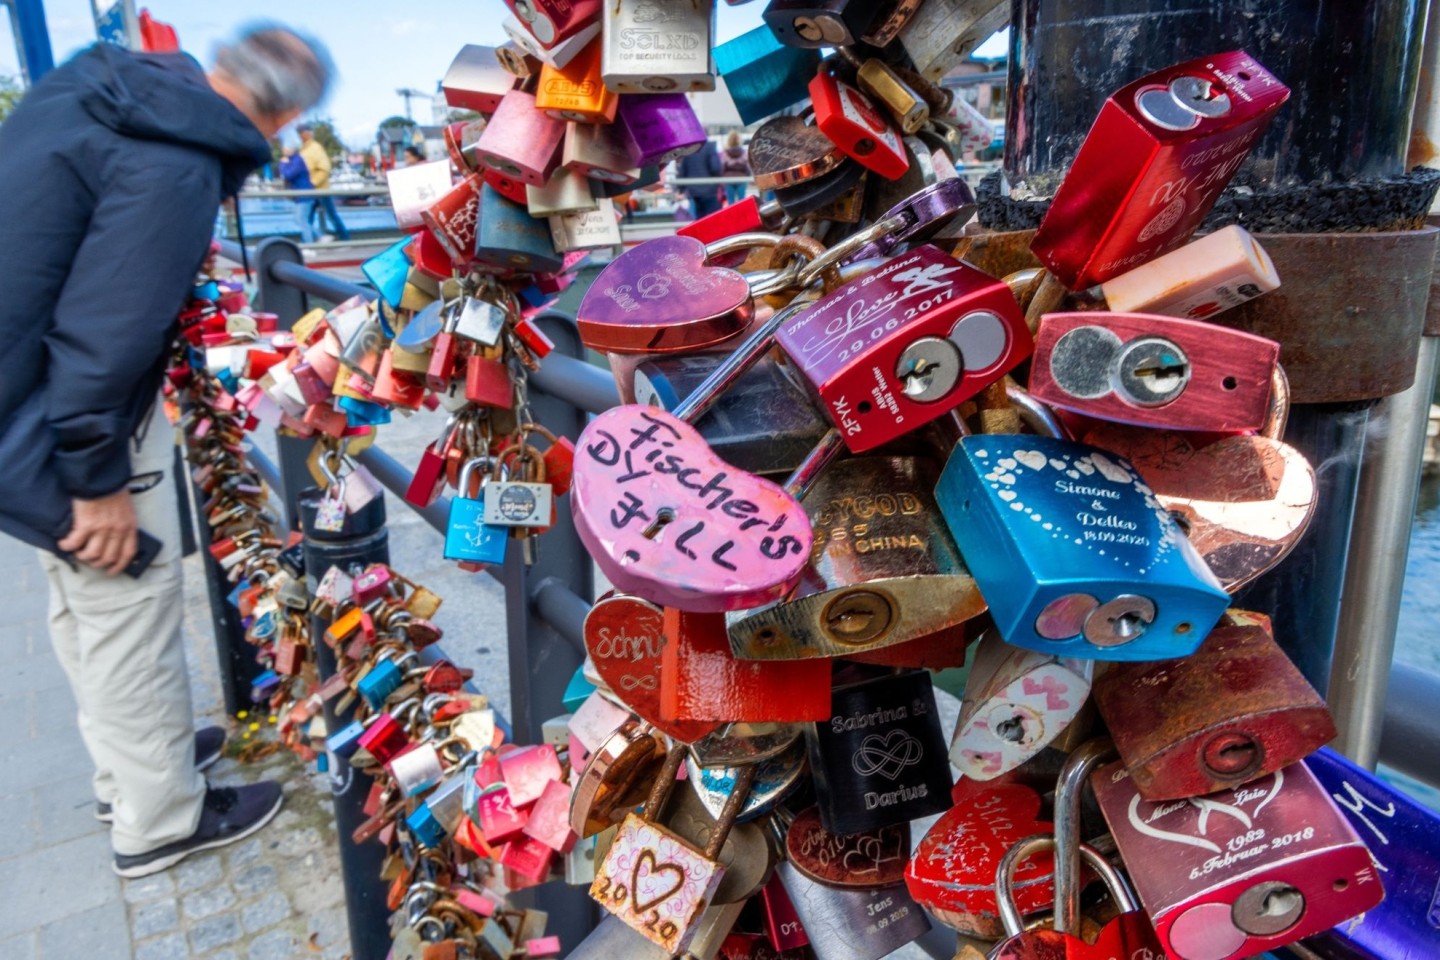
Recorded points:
1243,501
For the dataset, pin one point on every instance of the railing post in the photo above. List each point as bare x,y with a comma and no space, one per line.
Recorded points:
541,660
287,302
363,540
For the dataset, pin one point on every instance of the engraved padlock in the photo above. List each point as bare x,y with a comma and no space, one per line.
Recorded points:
1204,277
414,189
653,879
772,780
595,229
1154,371
476,80
598,151
879,759
528,501
1084,560
1161,151
658,47
510,239
1016,703
1243,501
1233,711
1401,835
1239,872
576,93
786,151
853,924
868,859
882,571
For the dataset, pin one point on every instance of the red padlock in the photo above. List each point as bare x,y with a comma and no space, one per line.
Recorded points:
487,382
429,479
856,126
552,22
396,387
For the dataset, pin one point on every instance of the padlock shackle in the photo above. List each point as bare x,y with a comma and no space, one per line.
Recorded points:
664,783
1277,412
734,803
809,470
703,397
1036,415
1010,916
1069,794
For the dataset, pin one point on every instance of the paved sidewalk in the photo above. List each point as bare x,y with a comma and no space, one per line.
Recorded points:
274,896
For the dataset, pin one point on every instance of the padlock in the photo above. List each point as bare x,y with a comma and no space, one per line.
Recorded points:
1243,501
499,819
1152,166
891,16
386,737
521,141
1083,560
566,193
596,721
702,680
662,297
454,217
882,571
853,924
952,872
658,48
1128,935
613,938
1204,277
747,855
528,502
942,33
837,189
468,537
1154,371
819,23
517,60
510,188
395,388
868,859
653,880
617,777
902,101
879,759
594,229
906,343
415,188
598,151
509,238
1233,711
576,93
460,140
1401,836
786,151
658,128
1016,703
480,321
476,80
488,383
775,778
782,923
549,820
856,126
762,75
552,21
1243,871
557,55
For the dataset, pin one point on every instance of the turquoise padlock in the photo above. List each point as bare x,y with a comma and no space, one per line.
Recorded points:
508,237
387,272
468,537
763,75
1073,552
425,827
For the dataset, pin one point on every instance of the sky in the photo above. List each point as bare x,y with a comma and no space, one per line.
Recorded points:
378,45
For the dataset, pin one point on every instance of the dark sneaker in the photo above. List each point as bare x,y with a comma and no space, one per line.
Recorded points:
209,746
229,814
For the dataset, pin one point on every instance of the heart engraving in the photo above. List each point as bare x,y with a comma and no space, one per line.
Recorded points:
647,883
661,297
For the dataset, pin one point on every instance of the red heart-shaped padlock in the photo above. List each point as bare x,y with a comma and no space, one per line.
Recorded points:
625,637
660,297
952,873
669,521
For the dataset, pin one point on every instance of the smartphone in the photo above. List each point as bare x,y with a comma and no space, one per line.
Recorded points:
144,556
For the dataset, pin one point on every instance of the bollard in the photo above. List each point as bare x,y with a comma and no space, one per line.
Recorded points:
363,540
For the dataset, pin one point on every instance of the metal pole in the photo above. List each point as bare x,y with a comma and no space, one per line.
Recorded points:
286,302
1375,573
541,659
363,540
32,39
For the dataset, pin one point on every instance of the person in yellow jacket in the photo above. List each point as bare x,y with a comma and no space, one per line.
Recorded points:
318,163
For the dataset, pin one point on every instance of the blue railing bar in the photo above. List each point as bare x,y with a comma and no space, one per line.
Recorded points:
562,608
266,468
318,284
576,382
395,478
1410,737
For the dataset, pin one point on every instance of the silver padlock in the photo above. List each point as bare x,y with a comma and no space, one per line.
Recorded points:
589,230
557,56
564,193
480,321
649,47
853,924
612,939
944,32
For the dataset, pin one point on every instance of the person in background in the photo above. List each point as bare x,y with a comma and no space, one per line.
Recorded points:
734,163
134,152
318,161
297,177
413,156
704,163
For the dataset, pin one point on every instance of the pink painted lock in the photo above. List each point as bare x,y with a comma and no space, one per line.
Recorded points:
527,863
371,585
499,820
542,947
528,770
520,141
477,903
550,818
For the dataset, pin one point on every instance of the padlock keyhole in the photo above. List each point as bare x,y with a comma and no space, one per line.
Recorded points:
663,517
1012,730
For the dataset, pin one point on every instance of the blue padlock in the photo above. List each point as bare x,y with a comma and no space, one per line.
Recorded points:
209,290
388,270
763,75
425,827
263,686
363,413
1403,837
577,691
468,537
509,238
1072,551
382,680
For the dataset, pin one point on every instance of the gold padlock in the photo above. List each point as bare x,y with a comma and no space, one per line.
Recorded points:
884,569
906,106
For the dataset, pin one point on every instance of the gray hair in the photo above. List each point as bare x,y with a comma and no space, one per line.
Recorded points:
282,70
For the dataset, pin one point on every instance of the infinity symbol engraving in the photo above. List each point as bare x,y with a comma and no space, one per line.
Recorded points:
887,755
631,683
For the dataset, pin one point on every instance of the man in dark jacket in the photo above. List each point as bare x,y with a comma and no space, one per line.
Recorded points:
113,166
703,163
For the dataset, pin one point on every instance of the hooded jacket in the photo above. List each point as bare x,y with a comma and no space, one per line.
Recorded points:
111,171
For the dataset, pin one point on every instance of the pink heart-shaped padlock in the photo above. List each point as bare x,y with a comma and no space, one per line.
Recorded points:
661,297
667,520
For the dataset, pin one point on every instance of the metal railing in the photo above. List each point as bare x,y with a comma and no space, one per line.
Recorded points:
546,603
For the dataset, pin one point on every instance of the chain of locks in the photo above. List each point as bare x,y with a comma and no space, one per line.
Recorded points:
847,461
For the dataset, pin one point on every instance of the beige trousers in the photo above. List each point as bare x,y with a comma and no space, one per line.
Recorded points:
118,640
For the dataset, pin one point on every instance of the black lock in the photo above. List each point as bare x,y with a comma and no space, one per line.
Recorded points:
880,757
819,23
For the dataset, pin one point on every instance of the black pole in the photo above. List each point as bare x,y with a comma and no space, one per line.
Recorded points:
363,540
